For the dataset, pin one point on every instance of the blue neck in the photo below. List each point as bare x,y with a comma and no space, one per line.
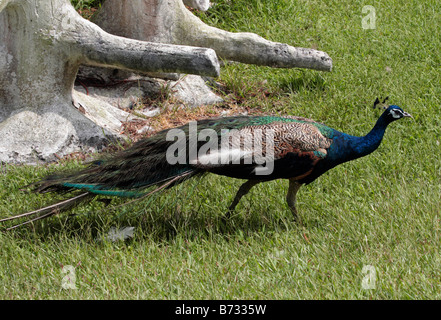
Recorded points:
364,145
347,147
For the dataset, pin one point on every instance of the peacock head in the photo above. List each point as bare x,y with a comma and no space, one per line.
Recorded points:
394,112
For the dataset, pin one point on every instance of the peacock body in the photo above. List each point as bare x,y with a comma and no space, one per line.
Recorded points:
296,148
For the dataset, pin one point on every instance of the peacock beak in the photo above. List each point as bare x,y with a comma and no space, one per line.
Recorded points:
405,114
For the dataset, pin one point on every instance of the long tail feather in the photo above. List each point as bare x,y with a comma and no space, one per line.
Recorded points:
51,213
74,201
50,210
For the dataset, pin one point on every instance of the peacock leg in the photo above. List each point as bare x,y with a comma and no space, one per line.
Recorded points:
294,186
243,190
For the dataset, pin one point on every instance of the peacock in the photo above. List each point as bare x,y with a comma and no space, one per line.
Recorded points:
254,148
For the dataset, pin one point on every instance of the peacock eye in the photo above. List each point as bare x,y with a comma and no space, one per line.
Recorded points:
396,113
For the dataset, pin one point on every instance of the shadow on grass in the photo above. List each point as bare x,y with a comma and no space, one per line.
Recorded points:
303,81
155,225
191,211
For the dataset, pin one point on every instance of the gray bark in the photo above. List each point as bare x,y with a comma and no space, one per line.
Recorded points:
170,22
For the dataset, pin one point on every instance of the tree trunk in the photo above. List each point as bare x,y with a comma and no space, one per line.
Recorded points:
168,21
42,44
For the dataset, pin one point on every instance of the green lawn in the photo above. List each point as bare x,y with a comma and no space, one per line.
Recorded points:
381,211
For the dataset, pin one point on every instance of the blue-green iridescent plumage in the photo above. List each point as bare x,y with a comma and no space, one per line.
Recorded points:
144,164
304,150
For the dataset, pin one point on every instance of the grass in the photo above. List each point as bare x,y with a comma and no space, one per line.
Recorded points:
86,4
382,210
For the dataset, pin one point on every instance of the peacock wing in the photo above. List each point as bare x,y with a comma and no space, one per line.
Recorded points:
294,145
